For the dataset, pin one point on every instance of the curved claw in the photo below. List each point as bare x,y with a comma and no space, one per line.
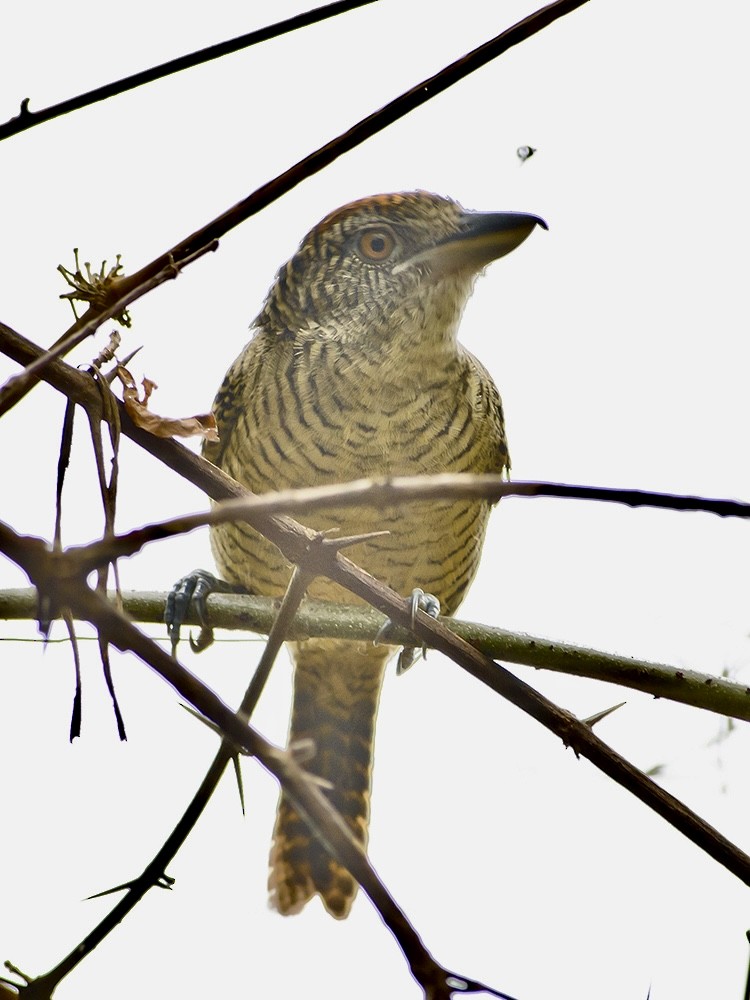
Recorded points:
194,589
381,636
419,601
204,640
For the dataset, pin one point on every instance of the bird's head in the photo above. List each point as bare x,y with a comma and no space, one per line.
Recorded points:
390,265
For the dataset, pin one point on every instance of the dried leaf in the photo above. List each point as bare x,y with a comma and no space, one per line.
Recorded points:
203,424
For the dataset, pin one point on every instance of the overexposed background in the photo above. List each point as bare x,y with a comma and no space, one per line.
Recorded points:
619,343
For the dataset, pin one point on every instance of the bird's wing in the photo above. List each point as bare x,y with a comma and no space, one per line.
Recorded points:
232,398
489,405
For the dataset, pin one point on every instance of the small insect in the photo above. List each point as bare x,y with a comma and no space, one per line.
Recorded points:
524,152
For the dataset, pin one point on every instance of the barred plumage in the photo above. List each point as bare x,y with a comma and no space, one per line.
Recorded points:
354,370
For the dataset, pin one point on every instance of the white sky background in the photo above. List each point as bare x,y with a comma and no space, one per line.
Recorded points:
618,341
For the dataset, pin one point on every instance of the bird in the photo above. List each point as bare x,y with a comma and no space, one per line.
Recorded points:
354,370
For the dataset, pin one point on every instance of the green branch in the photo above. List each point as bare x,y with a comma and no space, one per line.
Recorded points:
340,621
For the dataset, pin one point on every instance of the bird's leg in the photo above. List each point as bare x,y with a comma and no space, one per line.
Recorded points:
194,589
420,601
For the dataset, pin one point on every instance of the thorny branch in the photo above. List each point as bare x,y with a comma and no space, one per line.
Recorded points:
129,288
294,540
64,569
156,868
50,570
389,491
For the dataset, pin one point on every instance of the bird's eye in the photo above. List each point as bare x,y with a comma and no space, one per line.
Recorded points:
376,244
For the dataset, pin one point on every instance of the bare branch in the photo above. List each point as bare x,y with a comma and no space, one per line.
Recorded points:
391,491
28,119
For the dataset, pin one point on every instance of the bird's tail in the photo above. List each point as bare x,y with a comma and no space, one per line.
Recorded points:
336,692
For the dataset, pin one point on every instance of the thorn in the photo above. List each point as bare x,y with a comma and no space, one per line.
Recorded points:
112,375
108,892
162,882
592,720
238,777
342,543
129,357
214,729
201,718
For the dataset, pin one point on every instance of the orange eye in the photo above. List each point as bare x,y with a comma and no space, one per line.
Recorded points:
376,244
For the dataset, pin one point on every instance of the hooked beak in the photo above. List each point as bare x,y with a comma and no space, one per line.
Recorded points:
483,237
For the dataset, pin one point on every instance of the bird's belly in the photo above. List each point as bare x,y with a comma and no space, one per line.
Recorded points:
431,544
434,545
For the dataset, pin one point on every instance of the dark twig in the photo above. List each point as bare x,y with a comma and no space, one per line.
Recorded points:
131,287
28,119
573,732
393,491
154,871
